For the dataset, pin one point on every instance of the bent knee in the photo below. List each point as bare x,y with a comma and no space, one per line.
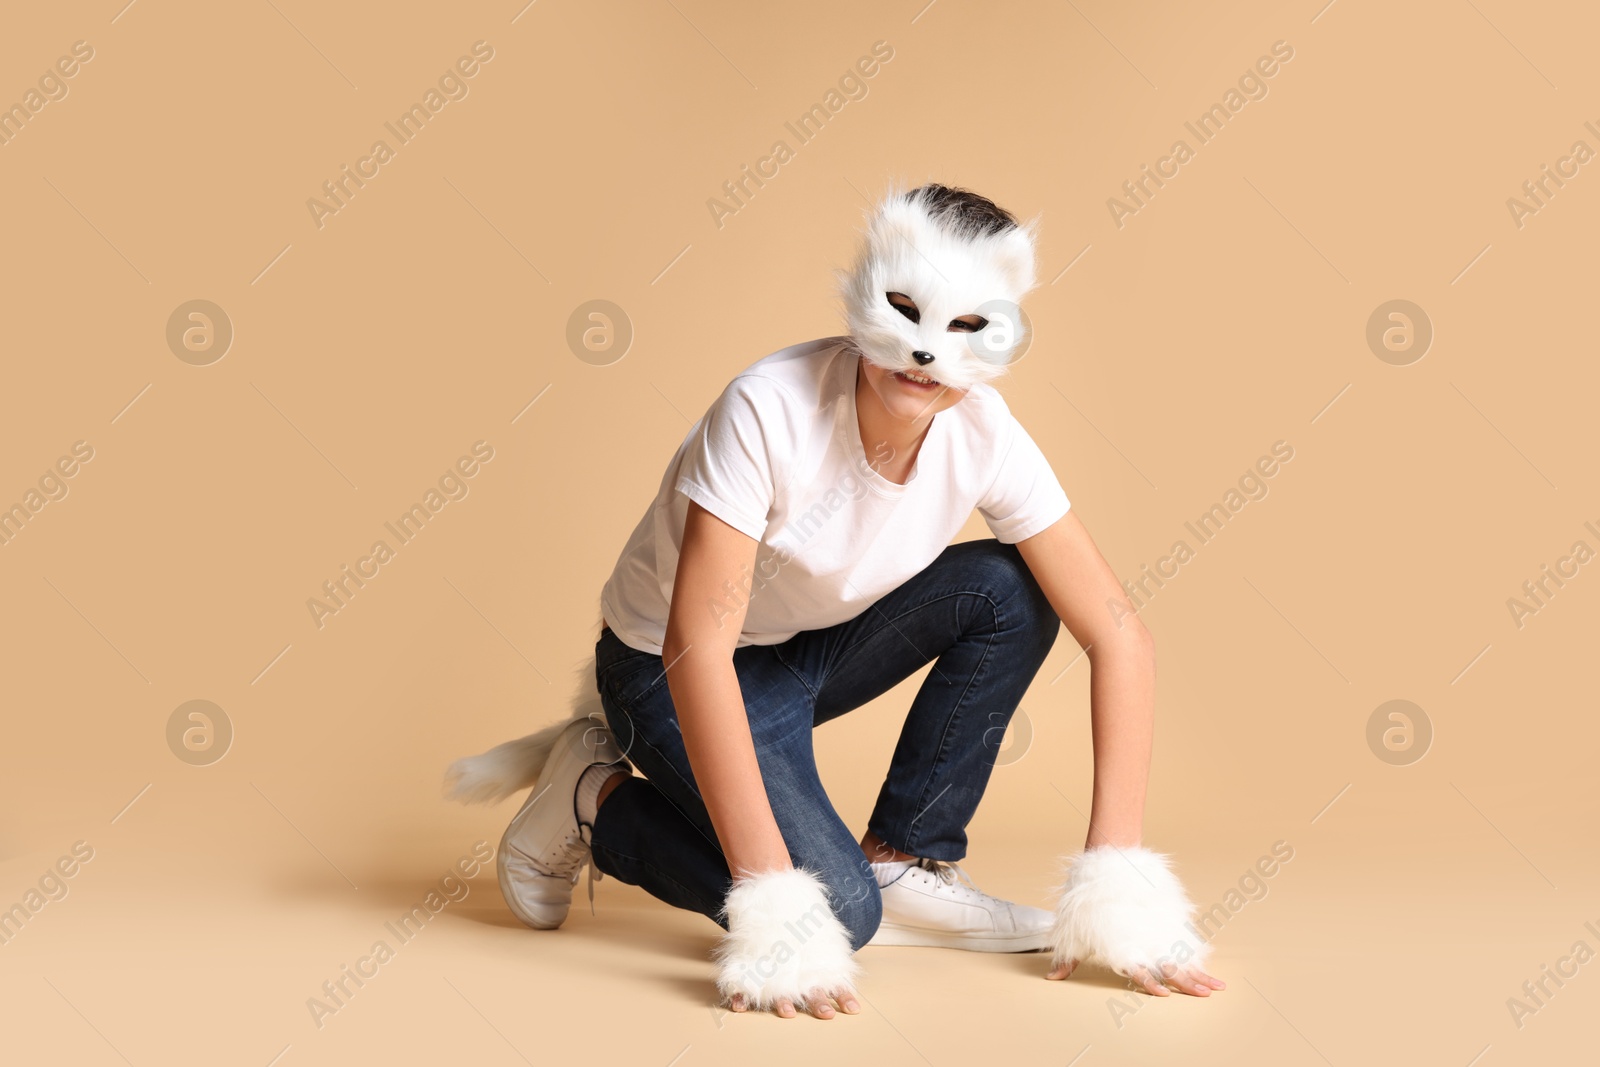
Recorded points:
1019,601
855,899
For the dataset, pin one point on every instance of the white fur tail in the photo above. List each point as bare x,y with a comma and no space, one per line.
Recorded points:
492,776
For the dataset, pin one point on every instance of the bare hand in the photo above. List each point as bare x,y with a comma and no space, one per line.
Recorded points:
1190,980
818,1002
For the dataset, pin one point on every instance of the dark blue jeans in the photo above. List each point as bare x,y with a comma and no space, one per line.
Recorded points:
976,612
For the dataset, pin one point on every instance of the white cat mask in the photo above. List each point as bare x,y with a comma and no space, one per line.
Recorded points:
954,254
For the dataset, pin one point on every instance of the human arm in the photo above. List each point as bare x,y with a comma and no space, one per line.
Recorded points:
702,633
703,627
1115,878
1082,589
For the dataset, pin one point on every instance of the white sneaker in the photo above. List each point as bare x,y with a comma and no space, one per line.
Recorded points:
545,846
935,904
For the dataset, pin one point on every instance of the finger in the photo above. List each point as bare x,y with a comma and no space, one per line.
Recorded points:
848,1003
785,1008
1151,986
1062,970
1183,980
737,1002
820,1005
1214,983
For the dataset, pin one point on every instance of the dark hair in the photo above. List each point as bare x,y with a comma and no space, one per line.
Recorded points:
964,213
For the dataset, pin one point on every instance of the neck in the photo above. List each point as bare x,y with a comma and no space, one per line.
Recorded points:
891,444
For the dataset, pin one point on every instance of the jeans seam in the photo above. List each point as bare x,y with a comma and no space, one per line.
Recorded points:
803,680
889,620
636,697
946,730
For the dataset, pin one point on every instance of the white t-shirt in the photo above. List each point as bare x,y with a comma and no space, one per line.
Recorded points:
779,457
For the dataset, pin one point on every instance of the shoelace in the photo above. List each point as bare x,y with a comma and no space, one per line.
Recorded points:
949,872
570,869
595,737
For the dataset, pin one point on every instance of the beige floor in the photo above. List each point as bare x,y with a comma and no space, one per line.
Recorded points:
589,155
203,927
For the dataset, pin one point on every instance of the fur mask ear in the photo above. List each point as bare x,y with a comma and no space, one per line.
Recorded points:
954,255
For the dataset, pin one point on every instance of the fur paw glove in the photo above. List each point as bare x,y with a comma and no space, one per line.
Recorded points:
783,941
1125,909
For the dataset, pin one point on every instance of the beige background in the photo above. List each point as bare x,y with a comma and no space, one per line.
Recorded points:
1229,313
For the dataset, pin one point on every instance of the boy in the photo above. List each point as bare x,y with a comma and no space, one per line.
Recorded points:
795,563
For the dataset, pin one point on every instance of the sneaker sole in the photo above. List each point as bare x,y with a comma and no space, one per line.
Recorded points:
911,936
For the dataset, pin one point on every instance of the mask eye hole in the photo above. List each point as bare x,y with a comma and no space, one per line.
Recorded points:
905,305
968,324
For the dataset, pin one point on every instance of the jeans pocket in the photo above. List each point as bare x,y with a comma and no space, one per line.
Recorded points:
625,675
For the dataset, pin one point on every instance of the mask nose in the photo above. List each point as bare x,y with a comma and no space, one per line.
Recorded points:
922,358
